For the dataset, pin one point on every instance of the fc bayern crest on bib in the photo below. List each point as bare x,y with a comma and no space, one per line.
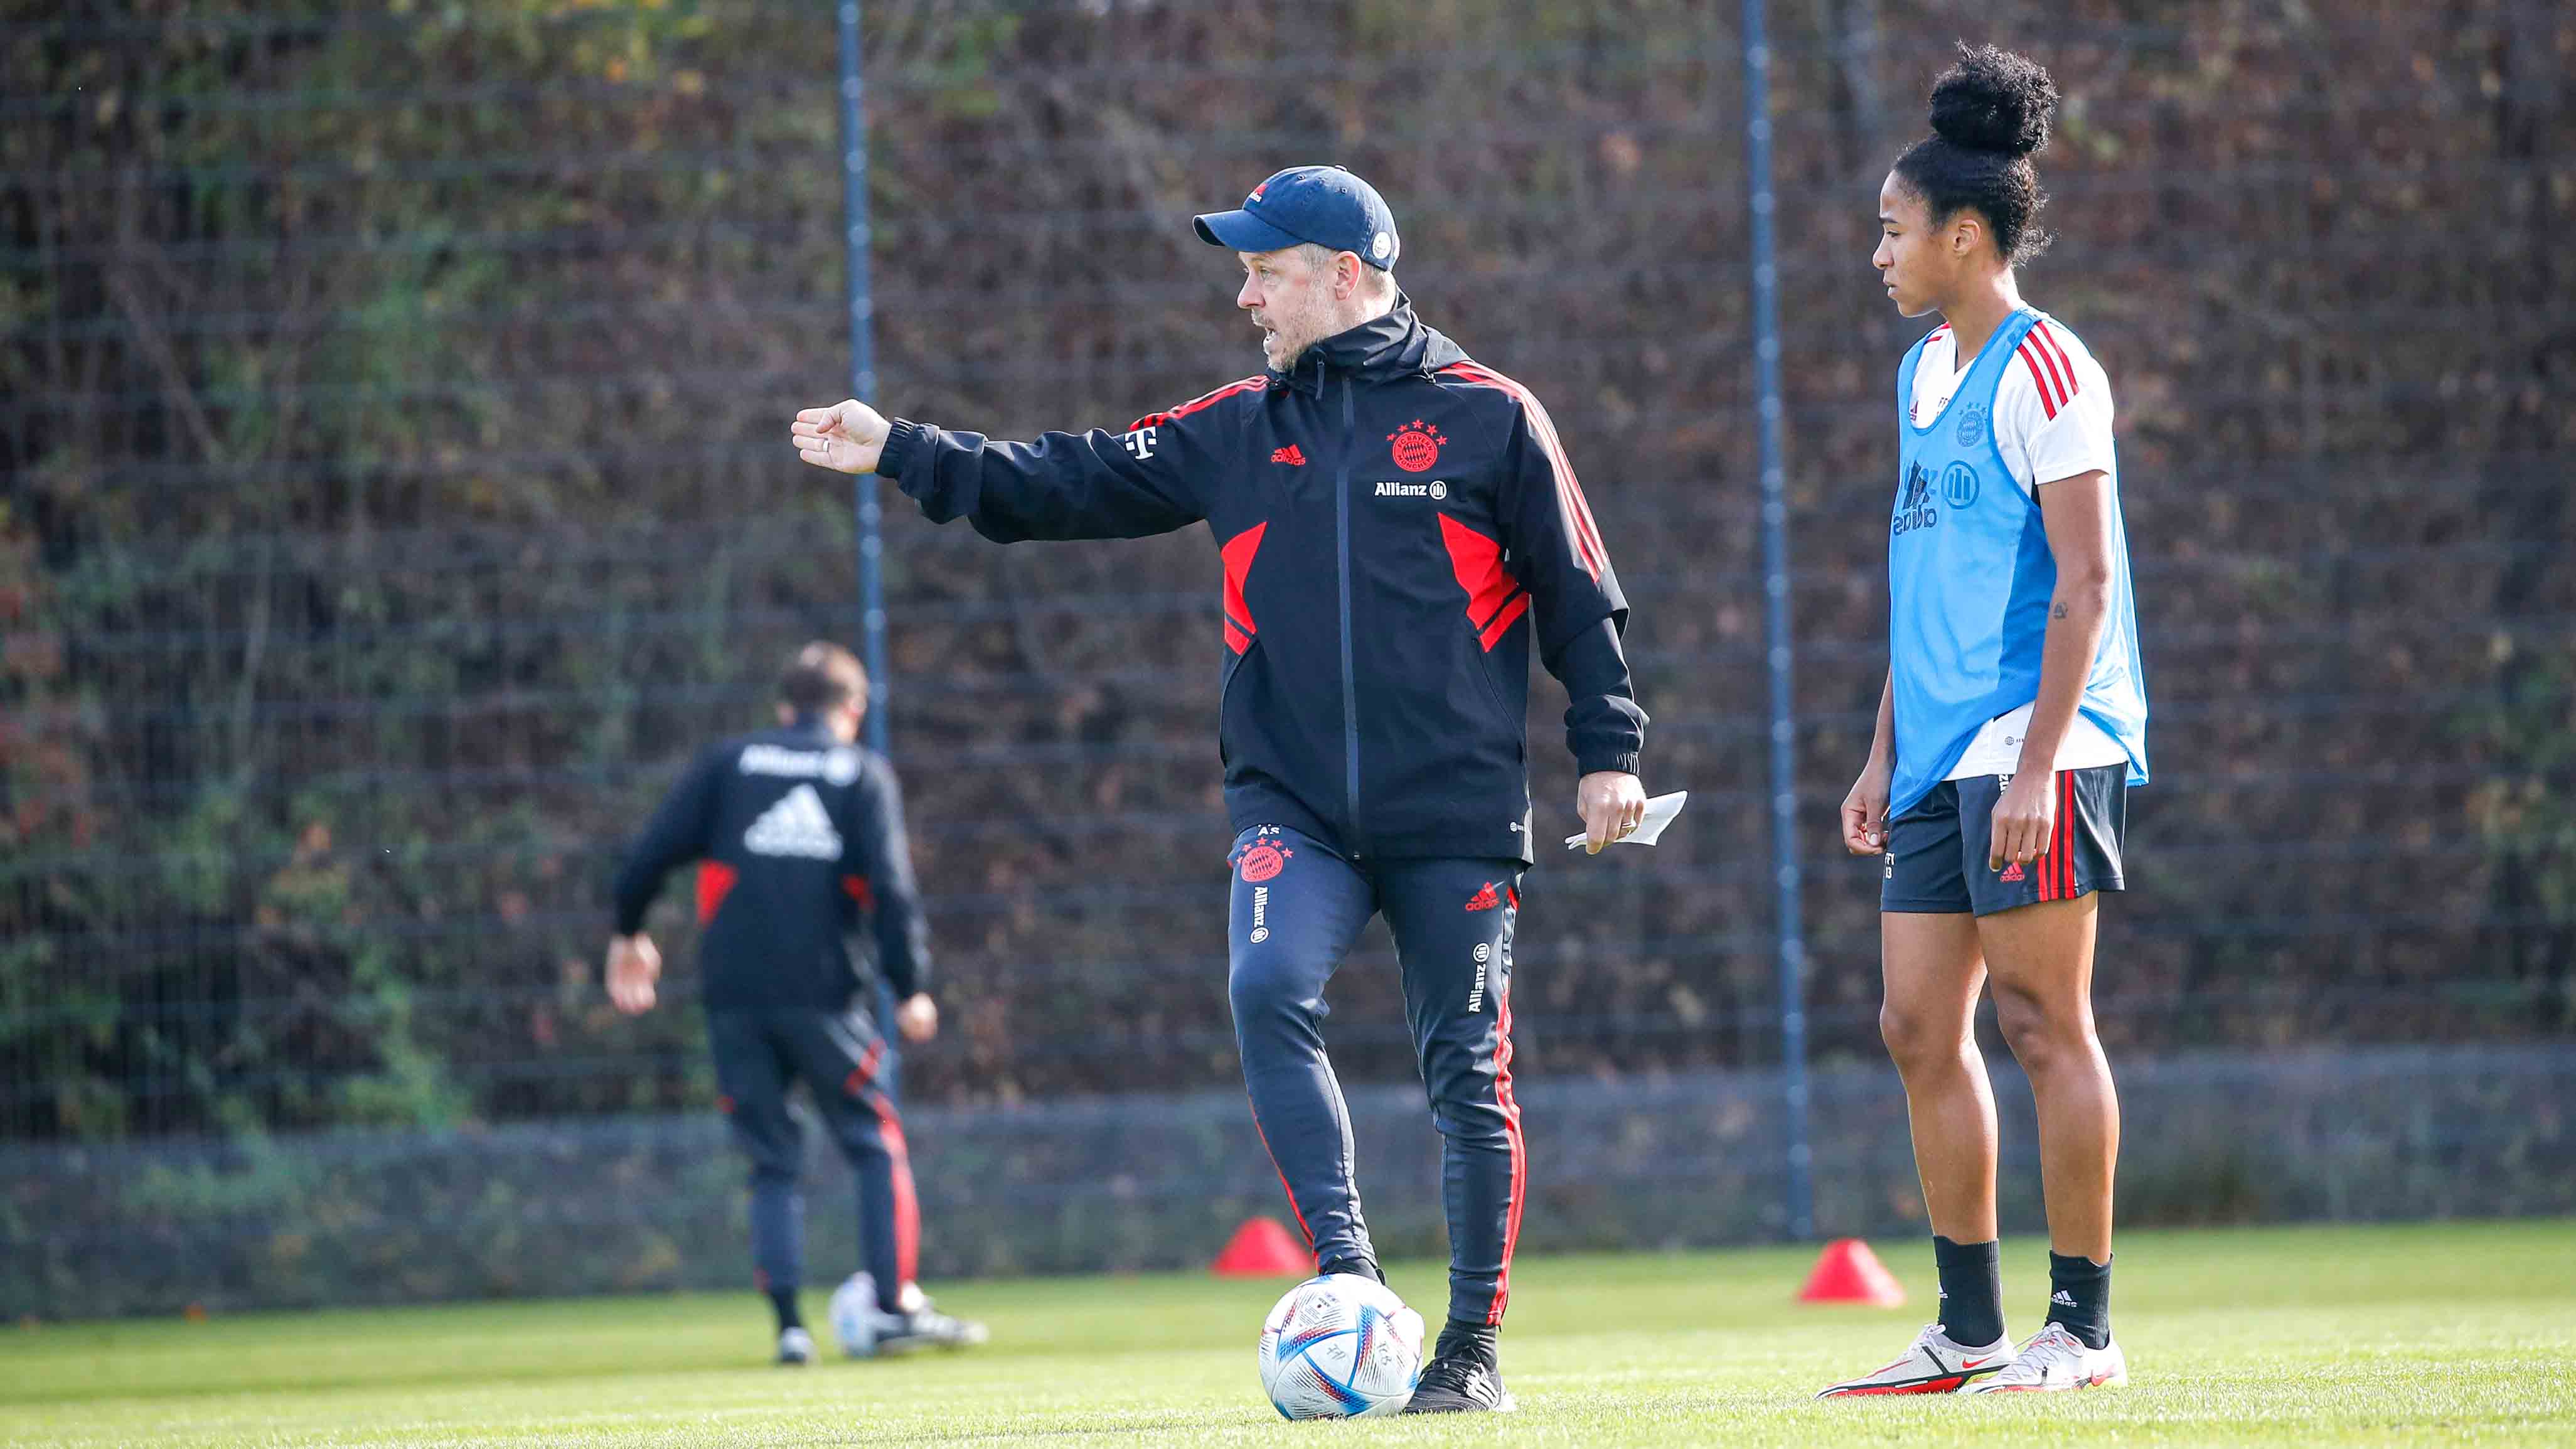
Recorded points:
1417,446
1972,425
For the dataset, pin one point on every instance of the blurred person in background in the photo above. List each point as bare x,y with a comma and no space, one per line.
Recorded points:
2012,725
1398,525
798,831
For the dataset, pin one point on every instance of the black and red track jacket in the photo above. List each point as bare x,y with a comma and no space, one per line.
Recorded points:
1396,523
795,834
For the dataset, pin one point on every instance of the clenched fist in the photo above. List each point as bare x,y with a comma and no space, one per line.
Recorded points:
634,964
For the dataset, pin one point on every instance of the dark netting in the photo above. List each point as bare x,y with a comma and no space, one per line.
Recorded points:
393,403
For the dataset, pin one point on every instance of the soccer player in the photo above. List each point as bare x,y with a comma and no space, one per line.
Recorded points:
2013,721
1397,525
796,831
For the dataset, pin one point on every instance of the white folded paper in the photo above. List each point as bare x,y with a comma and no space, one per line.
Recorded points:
1659,813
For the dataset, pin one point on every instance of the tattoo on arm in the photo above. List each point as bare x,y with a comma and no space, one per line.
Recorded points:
2058,613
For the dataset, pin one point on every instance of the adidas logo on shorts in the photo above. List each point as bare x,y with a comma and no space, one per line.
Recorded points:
797,825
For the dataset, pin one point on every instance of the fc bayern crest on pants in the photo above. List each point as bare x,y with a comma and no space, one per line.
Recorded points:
1265,857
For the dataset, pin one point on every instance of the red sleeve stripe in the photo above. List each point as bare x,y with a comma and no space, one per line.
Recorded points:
1569,490
1206,400
2050,368
2055,351
2042,373
2065,360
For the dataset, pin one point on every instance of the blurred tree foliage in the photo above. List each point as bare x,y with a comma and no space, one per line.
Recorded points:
392,402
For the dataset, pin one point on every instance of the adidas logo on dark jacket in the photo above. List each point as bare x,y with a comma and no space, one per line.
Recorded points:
796,836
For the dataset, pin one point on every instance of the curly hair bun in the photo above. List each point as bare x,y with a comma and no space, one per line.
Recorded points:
1994,100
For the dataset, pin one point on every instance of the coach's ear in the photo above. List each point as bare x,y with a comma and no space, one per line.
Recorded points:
1350,275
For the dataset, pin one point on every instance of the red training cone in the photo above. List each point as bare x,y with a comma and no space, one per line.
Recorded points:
1848,1272
1261,1248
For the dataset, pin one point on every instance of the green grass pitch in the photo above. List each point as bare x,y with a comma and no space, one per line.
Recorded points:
2441,1334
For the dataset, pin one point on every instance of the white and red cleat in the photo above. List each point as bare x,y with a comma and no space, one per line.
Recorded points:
2056,1359
1933,1364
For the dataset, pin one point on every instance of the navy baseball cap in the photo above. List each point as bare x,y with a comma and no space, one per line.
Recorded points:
1325,205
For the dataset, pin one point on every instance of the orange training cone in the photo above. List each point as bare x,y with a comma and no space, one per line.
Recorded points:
1848,1272
1261,1248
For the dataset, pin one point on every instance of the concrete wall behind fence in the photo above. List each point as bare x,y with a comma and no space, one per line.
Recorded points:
1135,1183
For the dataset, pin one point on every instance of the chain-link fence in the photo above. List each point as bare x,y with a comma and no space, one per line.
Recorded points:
394,420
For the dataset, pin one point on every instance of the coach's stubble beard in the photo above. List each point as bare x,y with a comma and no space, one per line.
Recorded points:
1286,334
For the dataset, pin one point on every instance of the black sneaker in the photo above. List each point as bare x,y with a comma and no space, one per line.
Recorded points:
1461,1383
926,1327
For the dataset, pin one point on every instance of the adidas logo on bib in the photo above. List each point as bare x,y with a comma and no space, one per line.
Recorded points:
797,825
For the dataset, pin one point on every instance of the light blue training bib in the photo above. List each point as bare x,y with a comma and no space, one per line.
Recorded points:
1969,579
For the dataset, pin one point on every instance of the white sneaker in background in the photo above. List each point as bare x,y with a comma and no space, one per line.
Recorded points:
855,1317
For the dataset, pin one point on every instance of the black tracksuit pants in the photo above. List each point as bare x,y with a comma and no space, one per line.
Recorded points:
1297,908
759,1054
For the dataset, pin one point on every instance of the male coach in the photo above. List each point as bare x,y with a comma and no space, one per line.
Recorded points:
796,831
1397,523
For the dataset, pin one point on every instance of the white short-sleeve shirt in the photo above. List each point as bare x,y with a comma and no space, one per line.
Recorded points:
2052,420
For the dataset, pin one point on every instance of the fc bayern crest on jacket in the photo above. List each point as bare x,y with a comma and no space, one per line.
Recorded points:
1417,446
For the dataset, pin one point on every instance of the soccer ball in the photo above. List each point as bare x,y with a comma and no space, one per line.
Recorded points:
855,1314
1340,1347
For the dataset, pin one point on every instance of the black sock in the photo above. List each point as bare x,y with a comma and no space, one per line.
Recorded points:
784,1300
1472,1337
1972,1290
2079,1298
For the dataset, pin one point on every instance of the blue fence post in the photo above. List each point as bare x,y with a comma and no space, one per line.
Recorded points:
863,386
863,369
1799,1194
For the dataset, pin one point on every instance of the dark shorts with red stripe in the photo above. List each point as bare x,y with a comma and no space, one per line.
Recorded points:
1936,851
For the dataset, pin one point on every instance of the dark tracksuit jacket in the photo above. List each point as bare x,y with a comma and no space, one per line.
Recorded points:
1397,526
797,836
